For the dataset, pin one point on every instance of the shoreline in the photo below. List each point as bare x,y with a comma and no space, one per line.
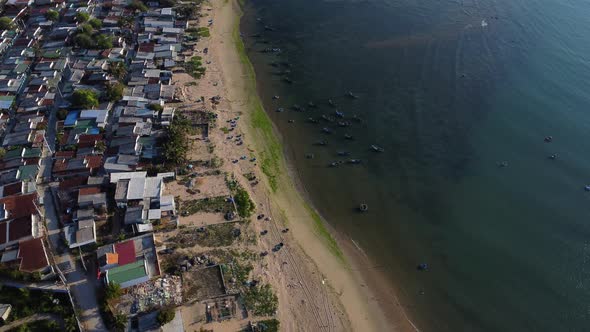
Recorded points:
325,288
350,254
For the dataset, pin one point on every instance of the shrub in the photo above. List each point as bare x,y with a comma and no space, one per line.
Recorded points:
114,92
83,40
84,98
155,107
6,23
104,42
261,300
137,5
244,203
82,17
52,15
95,23
166,315
112,291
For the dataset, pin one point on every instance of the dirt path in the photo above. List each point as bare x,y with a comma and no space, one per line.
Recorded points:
30,319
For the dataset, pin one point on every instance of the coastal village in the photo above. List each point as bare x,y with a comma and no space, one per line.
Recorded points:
131,198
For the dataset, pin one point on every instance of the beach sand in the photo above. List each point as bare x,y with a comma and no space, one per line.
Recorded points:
320,286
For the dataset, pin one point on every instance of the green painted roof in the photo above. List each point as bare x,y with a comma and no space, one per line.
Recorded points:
28,172
85,124
12,154
32,153
127,272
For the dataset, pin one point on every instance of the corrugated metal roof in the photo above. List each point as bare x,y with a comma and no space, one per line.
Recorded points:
125,273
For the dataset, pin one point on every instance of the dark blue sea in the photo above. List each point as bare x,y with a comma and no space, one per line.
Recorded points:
461,96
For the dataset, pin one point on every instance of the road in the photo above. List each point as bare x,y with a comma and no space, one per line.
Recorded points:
42,285
82,285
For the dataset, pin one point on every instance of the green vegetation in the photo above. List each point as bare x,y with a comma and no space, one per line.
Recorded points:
125,22
219,235
166,315
250,176
114,92
95,23
118,70
243,202
103,42
6,23
52,15
62,113
271,156
26,302
82,17
137,5
323,232
204,32
224,130
155,107
194,67
196,33
112,291
212,204
176,145
268,325
261,300
84,98
88,36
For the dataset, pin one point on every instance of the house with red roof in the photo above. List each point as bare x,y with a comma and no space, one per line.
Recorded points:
130,262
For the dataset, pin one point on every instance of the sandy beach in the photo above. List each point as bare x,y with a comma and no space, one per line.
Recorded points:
319,278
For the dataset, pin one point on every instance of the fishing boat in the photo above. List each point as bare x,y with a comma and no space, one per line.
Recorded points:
311,104
309,156
327,118
354,161
288,80
363,207
377,148
331,103
351,95
312,120
297,107
280,109
348,137
275,97
343,124
356,118
321,143
343,153
326,130
339,114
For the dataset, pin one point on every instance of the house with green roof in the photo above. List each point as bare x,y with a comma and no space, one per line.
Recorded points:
129,274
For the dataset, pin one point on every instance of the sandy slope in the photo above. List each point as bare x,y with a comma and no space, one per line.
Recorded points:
317,290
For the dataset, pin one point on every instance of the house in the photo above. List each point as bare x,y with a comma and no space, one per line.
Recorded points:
130,262
5,310
83,232
33,256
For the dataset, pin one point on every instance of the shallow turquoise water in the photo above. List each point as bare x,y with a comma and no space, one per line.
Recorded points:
448,89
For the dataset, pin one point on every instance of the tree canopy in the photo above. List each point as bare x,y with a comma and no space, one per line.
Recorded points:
6,23
118,70
82,17
137,5
114,92
84,98
95,23
166,315
52,15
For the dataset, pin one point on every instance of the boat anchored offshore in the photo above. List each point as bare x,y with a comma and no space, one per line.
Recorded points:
377,148
351,95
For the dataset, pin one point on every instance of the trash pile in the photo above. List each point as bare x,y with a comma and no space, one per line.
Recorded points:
156,293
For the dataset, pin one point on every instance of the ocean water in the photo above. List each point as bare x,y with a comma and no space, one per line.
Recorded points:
451,90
